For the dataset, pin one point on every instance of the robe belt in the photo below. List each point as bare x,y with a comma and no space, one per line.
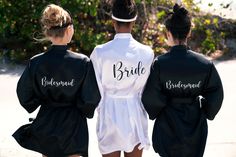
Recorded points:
58,104
182,100
120,96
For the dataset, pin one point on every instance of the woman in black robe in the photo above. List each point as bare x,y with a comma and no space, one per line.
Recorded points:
183,90
63,83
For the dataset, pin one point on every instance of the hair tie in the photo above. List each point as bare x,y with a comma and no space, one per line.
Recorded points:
62,26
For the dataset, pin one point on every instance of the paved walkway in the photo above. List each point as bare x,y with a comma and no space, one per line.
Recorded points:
222,131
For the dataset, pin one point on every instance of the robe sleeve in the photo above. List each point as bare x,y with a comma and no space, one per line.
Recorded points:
25,91
96,60
89,95
152,98
212,94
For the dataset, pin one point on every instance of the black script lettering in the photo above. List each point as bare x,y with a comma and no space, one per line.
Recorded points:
119,70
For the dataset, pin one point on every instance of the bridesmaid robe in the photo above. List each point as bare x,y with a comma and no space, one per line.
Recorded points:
183,90
63,84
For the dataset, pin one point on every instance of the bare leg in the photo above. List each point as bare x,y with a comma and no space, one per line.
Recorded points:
114,154
68,156
74,155
135,153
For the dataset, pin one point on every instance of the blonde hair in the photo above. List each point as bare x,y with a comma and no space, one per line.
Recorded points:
55,20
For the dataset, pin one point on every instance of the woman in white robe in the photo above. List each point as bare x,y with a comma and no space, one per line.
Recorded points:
122,67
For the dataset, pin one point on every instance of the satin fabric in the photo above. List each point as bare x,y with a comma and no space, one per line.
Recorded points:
183,90
122,67
61,83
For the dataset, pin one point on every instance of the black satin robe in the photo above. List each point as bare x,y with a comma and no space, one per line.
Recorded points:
183,90
63,84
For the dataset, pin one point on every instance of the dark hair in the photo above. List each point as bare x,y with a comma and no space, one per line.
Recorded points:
124,9
179,22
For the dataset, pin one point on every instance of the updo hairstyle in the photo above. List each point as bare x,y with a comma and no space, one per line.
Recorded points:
179,23
55,20
124,11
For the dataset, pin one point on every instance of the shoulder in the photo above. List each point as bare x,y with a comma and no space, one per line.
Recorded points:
77,56
145,49
200,57
162,57
77,59
36,59
103,46
38,56
99,50
142,46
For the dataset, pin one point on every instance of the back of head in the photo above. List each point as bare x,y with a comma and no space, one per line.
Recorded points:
54,21
179,22
124,11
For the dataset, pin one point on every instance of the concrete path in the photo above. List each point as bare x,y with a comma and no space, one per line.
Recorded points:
222,131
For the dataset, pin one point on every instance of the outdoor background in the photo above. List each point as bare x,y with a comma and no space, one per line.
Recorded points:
19,26
213,34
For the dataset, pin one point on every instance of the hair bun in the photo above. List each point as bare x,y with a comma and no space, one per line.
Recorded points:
179,22
180,11
53,16
126,3
124,9
176,8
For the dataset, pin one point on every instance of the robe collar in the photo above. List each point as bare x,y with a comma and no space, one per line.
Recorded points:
179,49
59,47
123,35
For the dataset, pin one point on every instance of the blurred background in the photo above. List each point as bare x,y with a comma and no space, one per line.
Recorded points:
214,31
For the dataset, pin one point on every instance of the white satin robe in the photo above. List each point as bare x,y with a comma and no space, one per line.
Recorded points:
122,67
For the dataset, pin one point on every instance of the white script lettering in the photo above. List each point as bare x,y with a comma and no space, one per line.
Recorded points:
52,82
179,84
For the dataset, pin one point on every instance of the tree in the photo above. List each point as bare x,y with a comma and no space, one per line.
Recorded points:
20,25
